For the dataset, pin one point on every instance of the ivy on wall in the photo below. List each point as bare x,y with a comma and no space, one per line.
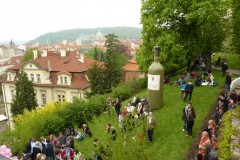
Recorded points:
227,131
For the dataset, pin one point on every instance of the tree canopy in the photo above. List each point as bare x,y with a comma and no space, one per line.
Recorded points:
114,61
109,74
183,30
25,96
28,55
236,26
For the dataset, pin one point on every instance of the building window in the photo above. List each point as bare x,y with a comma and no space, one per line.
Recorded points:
44,99
61,97
38,78
32,77
61,80
12,94
65,80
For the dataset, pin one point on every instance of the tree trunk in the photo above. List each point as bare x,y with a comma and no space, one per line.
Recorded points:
208,59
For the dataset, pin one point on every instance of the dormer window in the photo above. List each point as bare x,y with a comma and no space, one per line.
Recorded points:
65,80
61,80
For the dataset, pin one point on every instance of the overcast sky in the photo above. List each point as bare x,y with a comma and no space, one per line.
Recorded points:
27,19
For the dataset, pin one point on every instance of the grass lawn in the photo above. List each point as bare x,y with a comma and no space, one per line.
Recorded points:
169,142
233,60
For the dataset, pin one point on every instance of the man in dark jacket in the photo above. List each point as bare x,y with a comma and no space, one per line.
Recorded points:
228,81
188,90
49,151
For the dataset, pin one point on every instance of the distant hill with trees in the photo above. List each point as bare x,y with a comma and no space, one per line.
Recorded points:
86,34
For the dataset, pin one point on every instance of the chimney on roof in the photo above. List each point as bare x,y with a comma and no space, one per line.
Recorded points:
63,53
35,54
81,57
49,66
44,53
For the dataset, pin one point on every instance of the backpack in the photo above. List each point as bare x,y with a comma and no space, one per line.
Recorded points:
215,83
194,115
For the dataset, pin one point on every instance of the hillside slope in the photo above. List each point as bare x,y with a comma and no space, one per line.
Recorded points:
87,34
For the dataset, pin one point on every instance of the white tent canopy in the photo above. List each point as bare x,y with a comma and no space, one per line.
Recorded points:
3,118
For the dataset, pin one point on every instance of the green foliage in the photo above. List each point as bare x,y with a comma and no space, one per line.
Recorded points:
122,91
35,123
95,53
28,55
236,25
108,75
114,62
25,96
183,30
87,34
97,84
127,89
227,131
232,59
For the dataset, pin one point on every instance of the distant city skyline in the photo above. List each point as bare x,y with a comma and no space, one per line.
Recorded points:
25,20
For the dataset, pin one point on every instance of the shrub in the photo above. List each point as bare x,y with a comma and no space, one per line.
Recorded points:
226,133
122,91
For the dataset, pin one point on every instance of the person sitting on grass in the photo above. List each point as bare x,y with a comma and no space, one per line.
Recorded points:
87,130
178,82
198,82
204,145
203,79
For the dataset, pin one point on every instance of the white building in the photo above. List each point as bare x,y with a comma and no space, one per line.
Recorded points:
56,76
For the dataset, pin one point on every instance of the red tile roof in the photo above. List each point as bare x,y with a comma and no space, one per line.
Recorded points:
131,66
13,61
57,64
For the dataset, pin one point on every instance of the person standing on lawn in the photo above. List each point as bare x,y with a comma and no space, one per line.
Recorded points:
188,90
151,121
191,115
117,106
228,81
224,68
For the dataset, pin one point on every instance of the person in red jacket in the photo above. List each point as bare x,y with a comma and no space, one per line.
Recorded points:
67,152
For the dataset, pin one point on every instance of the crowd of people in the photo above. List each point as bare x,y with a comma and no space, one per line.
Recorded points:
209,141
59,147
226,101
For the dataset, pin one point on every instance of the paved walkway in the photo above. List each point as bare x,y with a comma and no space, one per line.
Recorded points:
235,72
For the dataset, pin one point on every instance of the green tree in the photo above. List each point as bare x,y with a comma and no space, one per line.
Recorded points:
97,84
236,26
94,53
28,55
205,21
114,62
183,30
25,96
